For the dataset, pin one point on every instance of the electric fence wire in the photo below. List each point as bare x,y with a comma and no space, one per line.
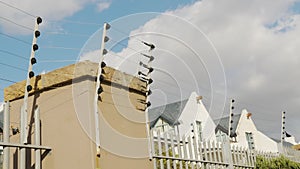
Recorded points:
18,9
13,54
7,80
17,39
14,67
15,23
53,47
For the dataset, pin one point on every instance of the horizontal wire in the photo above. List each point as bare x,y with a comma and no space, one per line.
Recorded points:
126,46
22,26
118,30
126,59
60,47
75,22
7,80
17,39
13,67
13,54
21,10
67,34
56,61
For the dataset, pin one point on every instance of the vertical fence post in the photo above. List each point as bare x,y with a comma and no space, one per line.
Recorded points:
161,161
152,133
167,149
185,156
37,138
6,135
22,164
98,88
179,150
173,150
227,153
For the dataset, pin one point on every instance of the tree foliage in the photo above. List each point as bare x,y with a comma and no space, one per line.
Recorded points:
275,163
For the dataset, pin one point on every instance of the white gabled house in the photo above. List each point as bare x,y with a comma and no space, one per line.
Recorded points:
244,133
181,116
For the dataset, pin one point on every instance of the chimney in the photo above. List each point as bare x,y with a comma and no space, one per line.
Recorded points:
198,98
249,115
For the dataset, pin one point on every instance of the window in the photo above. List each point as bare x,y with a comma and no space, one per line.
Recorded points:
221,136
199,130
249,137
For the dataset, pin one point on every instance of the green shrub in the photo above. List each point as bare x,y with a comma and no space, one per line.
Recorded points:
276,163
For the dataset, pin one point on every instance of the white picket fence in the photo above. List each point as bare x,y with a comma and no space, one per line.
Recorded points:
291,154
171,152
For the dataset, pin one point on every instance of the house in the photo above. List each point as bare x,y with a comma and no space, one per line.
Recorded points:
290,139
180,116
65,100
244,133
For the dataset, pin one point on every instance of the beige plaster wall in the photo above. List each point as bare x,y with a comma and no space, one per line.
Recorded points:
67,123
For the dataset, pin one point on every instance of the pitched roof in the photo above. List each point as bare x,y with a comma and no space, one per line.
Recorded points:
222,124
284,143
168,113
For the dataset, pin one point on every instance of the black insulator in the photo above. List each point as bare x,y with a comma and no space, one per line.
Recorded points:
100,90
282,138
150,81
151,58
103,64
101,78
192,130
283,132
29,88
283,112
232,101
232,107
31,74
33,61
149,92
148,104
231,121
37,33
231,114
231,128
283,117
106,39
35,47
15,131
141,73
283,122
39,20
283,127
151,69
107,26
149,44
104,52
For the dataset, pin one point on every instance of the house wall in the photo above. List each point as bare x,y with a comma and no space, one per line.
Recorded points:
195,111
261,141
67,126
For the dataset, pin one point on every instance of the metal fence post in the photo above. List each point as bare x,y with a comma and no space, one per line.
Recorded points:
227,153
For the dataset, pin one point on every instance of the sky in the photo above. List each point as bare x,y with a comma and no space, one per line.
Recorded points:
246,50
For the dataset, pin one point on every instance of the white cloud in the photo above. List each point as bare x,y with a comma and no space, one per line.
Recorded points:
101,6
261,61
53,10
